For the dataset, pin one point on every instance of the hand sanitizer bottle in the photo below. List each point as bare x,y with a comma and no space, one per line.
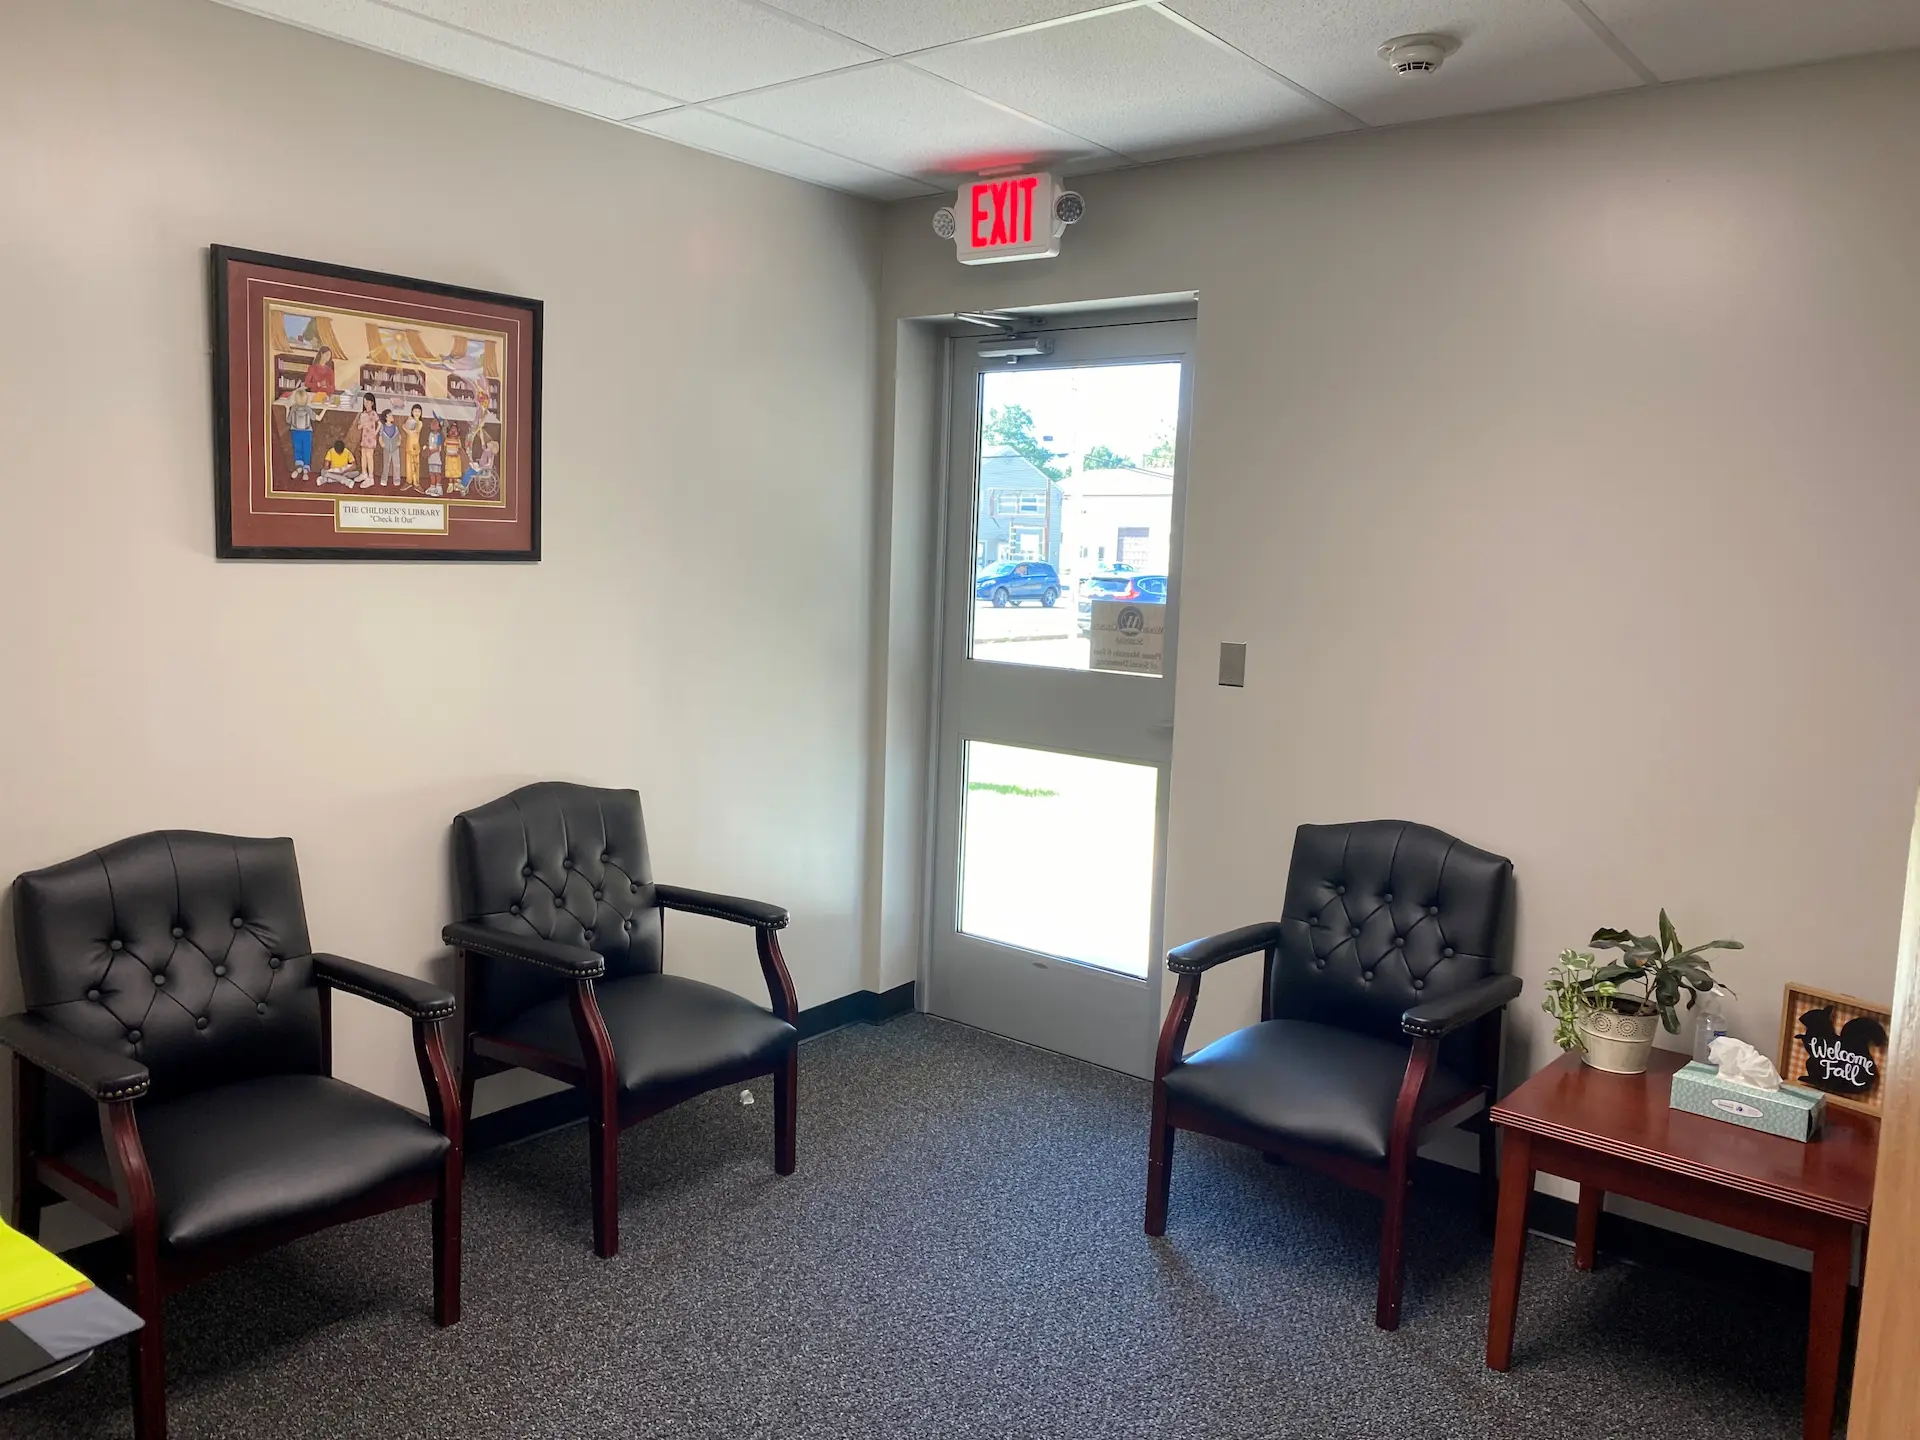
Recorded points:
1710,1022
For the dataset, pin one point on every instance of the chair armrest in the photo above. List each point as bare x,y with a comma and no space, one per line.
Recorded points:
416,999
1200,955
575,961
756,913
1432,1019
105,1076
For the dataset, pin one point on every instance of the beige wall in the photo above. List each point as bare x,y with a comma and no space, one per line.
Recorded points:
1558,468
698,628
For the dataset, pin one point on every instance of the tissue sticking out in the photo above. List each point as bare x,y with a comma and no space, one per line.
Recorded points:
1741,1063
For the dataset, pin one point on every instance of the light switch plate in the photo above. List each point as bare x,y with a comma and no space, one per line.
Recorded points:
1233,663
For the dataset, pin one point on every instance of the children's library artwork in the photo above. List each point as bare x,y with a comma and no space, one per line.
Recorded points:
366,416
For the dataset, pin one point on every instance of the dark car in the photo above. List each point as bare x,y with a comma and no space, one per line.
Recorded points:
1011,581
1141,589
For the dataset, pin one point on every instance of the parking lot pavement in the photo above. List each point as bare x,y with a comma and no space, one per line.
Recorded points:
1063,653
1030,621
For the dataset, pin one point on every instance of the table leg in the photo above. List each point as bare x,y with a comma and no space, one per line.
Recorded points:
1826,1320
1586,1226
1509,1245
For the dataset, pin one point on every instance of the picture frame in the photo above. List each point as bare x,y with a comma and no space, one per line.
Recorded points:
365,416
1835,1044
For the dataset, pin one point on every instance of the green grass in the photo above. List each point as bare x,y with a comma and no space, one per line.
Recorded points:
1011,790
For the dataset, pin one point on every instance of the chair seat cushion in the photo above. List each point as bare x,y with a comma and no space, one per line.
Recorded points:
1292,1080
233,1158
666,1031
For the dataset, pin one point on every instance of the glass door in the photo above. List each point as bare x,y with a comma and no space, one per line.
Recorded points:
1056,708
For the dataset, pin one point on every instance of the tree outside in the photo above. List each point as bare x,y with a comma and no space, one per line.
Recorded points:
1012,426
1102,457
1160,457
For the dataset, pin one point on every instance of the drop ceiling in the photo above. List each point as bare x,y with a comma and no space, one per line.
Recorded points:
892,98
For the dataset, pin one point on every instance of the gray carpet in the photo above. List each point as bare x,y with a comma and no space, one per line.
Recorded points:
960,1254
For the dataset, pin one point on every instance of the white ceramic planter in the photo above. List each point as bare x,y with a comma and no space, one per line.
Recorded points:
1619,1044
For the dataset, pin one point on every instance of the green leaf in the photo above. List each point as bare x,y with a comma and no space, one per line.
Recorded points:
1717,945
1670,1020
1669,937
1613,974
1609,939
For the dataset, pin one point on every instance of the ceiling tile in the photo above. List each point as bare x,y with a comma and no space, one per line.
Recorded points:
689,49
1136,82
898,26
737,140
1685,39
897,118
1513,52
379,27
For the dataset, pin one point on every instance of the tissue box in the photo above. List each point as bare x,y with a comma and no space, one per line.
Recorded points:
1792,1111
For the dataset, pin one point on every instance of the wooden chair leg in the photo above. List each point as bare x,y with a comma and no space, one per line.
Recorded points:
1173,1044
1401,1145
603,1118
1489,1175
149,1351
1159,1165
1393,1255
786,1114
27,1199
603,1163
446,1242
469,1077
27,1112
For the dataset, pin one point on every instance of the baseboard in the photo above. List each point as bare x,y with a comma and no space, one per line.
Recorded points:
862,1007
513,1123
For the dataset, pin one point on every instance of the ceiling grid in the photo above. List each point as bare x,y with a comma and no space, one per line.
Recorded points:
893,98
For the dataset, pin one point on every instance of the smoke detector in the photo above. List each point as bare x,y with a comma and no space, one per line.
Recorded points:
1415,55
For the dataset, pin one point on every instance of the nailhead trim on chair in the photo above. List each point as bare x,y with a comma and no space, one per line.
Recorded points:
123,1092
504,952
732,915
438,1012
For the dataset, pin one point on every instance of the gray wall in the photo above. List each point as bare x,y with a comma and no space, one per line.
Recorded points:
698,628
1558,468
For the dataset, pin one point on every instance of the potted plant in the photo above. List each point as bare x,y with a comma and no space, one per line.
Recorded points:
1607,1010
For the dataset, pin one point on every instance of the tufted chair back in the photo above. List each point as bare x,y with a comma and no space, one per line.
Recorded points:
186,950
567,863
1379,916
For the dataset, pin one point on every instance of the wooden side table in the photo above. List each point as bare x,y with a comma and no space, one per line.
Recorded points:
1617,1132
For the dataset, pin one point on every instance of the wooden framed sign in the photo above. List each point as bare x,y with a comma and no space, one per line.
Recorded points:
360,416
1835,1044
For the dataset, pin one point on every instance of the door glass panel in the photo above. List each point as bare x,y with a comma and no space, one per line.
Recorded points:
1073,505
1056,854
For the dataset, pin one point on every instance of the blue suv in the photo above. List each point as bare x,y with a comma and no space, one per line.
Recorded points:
1011,581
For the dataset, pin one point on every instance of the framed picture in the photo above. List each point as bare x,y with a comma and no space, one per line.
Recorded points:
1835,1044
360,416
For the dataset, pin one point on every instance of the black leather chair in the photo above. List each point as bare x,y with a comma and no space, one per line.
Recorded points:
561,974
1380,1020
173,992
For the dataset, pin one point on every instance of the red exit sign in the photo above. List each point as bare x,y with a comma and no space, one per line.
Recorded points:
1009,217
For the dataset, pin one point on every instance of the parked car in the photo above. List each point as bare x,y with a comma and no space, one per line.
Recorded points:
1141,589
1011,581
1105,572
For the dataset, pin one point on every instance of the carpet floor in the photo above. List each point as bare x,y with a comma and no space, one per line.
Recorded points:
959,1255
